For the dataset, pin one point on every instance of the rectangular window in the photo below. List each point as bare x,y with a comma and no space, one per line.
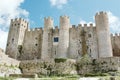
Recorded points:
56,39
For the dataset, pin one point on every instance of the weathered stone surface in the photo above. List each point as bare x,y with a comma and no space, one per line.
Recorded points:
115,44
48,67
67,67
70,66
103,35
8,65
103,65
64,42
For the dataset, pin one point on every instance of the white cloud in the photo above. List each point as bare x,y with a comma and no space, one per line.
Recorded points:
9,9
3,39
114,23
82,22
58,3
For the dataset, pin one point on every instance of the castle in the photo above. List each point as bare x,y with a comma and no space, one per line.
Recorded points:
64,42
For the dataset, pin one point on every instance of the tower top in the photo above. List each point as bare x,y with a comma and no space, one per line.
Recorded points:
64,22
48,18
19,20
48,22
101,13
67,17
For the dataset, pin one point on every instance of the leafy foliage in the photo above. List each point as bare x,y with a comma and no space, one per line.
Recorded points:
84,60
58,60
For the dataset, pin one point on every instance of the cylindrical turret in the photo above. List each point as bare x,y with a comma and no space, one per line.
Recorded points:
63,37
103,35
48,23
47,38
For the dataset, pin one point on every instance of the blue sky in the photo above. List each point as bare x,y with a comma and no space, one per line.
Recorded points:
76,9
79,11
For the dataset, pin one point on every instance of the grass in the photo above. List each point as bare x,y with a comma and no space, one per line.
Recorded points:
63,78
69,78
7,78
49,78
58,60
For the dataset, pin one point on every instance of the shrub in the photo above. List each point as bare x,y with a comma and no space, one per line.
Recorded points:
96,74
90,75
58,60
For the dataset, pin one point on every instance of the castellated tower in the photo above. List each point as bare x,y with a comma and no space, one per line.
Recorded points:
103,34
16,37
63,37
47,38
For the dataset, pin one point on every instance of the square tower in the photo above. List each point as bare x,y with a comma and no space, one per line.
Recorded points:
16,37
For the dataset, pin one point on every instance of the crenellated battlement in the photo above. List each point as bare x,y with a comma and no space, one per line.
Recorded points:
101,13
56,27
91,25
86,25
80,25
48,18
48,23
64,17
35,29
115,34
73,26
18,20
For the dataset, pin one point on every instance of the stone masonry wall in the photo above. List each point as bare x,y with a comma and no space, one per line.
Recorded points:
104,65
48,67
115,39
8,65
55,44
70,66
79,34
32,45
25,44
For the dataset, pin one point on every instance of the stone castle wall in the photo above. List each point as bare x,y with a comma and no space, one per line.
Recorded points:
55,44
32,45
78,35
64,42
115,39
